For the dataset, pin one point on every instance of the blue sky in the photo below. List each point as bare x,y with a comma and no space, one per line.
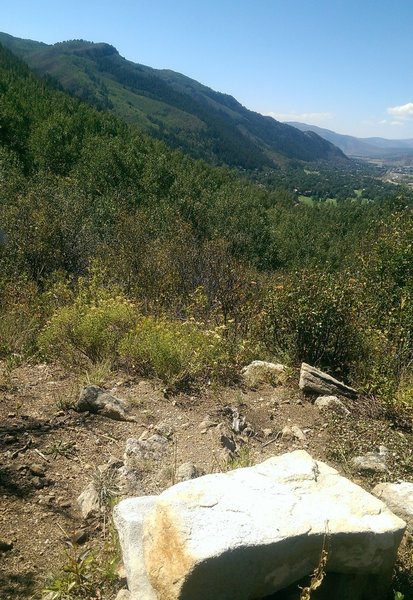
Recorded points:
344,65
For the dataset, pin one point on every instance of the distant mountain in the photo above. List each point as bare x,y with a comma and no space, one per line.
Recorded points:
373,147
171,106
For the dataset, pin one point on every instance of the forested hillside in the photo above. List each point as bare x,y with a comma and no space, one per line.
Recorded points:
114,247
172,107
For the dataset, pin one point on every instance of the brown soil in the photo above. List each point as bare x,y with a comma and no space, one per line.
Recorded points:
49,453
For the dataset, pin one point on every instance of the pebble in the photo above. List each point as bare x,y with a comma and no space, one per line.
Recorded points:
37,469
10,439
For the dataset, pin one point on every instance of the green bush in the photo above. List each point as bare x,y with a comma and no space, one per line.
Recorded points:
87,330
176,352
20,319
312,317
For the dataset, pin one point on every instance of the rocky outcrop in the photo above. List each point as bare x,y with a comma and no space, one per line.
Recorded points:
251,532
314,381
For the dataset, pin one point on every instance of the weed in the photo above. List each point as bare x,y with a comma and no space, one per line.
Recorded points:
106,484
98,373
76,580
86,573
241,460
318,575
65,399
60,448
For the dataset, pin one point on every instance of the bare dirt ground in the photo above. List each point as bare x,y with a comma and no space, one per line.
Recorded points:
49,453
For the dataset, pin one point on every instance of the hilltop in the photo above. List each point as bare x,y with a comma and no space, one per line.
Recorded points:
172,107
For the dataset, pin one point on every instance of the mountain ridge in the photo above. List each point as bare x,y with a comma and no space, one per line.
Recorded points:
171,106
359,147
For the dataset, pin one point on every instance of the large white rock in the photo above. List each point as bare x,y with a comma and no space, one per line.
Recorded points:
248,533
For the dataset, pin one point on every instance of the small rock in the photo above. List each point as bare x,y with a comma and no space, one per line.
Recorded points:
95,400
188,471
228,443
130,482
5,546
260,371
9,439
11,415
267,432
371,462
164,429
37,469
331,402
294,432
88,501
80,536
137,451
38,483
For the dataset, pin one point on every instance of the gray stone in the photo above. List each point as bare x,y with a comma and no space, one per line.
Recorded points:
314,381
399,498
188,471
260,371
88,501
139,451
332,403
130,481
207,423
165,430
371,462
263,527
294,432
95,400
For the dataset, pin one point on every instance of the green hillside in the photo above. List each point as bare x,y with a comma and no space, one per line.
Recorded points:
171,106
97,217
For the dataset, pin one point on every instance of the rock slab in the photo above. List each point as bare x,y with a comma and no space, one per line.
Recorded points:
251,532
314,381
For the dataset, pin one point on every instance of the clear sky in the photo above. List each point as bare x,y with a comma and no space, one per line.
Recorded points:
341,64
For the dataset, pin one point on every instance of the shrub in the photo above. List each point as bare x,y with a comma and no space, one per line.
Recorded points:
20,319
87,330
175,351
312,317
